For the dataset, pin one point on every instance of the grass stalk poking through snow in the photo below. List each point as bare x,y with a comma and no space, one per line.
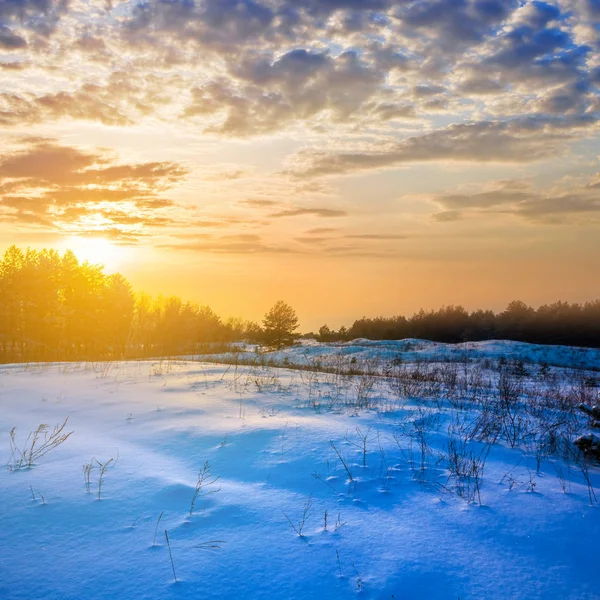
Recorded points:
38,444
584,467
87,472
39,494
359,580
364,439
305,513
205,479
171,555
210,545
156,528
344,463
103,468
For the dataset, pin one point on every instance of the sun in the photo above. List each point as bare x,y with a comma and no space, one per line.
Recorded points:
96,250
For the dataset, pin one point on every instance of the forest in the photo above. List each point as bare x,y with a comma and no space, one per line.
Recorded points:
558,323
54,307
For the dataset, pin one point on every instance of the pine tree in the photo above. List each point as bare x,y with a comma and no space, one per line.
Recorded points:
279,325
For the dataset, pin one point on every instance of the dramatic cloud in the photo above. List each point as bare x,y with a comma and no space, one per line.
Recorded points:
10,40
32,16
266,93
269,103
53,185
519,140
328,65
47,163
120,101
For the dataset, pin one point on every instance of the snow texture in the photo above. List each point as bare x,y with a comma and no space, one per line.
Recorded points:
274,438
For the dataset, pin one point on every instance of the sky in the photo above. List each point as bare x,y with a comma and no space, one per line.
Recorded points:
351,157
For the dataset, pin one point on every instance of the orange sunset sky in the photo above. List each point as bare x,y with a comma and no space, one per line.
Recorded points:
352,157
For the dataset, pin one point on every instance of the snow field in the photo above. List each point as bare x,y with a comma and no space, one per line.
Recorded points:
397,526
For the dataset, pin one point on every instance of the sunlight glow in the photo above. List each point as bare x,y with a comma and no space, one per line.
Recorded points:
96,250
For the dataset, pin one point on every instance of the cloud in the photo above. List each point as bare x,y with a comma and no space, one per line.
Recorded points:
455,23
254,244
425,90
121,100
447,216
325,65
568,201
148,203
215,23
230,244
375,236
208,224
515,141
325,213
365,85
258,202
318,240
277,76
32,16
265,93
114,234
524,45
51,185
313,240
212,23
223,24
14,66
47,163
481,84
115,217
352,251
10,40
227,175
321,230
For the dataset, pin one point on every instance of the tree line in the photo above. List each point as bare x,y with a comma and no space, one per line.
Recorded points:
557,323
54,307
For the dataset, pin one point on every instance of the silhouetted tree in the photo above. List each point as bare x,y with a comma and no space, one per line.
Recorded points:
325,334
279,325
117,312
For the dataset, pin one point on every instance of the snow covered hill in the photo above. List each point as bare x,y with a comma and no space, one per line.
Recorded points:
307,352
